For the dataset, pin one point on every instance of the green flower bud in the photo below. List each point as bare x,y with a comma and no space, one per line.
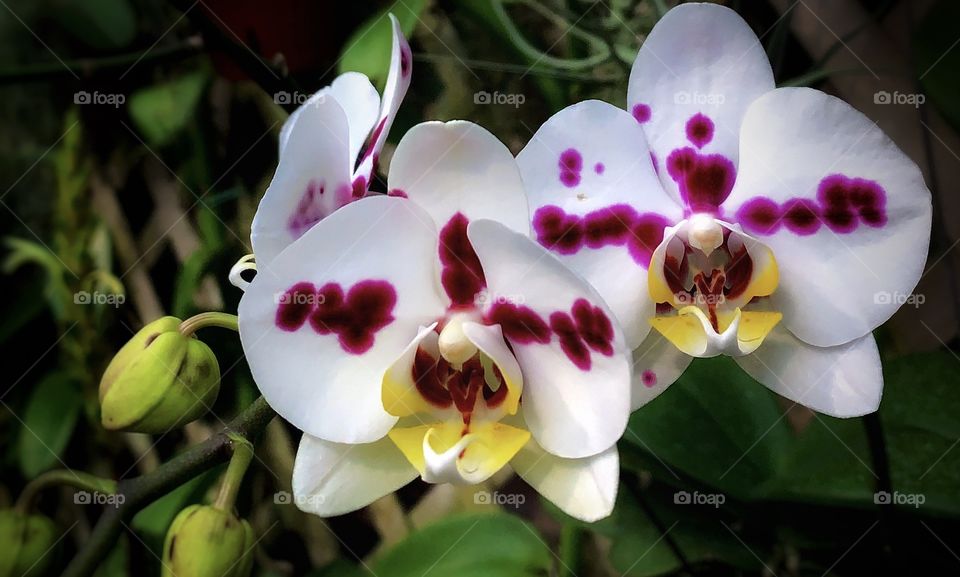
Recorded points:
204,541
27,542
160,380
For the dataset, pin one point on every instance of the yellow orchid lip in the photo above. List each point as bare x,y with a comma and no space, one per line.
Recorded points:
709,272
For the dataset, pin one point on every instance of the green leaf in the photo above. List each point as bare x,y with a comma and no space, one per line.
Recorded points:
640,550
828,463
102,24
715,424
937,60
489,545
368,48
921,418
161,112
48,421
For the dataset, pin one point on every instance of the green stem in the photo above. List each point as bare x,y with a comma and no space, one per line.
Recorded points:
78,479
571,541
233,478
141,491
222,320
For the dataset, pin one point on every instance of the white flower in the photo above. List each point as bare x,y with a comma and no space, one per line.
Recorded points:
427,335
764,222
329,147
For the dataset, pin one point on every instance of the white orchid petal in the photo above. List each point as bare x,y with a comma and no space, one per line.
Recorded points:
333,478
841,381
322,323
693,79
569,346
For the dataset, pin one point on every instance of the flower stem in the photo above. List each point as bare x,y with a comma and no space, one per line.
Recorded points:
212,319
571,541
233,478
78,479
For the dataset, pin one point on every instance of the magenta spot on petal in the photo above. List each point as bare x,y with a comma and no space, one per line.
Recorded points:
520,324
569,178
295,305
649,378
310,209
801,216
397,192
462,275
760,216
705,180
615,225
594,327
699,130
359,189
372,141
599,168
571,160
355,317
558,231
405,59
570,342
641,112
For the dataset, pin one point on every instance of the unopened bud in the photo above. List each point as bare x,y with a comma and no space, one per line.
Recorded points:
28,542
160,380
204,541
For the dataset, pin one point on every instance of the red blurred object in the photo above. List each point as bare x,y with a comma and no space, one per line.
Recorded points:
308,33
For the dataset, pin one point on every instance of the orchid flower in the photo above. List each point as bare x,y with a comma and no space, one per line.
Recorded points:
425,334
776,226
329,148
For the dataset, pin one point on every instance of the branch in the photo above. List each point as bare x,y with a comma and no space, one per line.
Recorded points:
140,491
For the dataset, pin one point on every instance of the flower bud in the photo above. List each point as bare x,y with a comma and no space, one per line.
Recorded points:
27,543
204,541
160,380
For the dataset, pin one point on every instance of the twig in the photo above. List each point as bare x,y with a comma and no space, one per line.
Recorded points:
138,492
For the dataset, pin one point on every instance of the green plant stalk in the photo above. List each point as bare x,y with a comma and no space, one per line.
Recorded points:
571,541
233,478
77,479
212,319
141,491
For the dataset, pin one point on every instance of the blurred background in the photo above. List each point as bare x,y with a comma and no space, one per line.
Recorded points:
139,135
